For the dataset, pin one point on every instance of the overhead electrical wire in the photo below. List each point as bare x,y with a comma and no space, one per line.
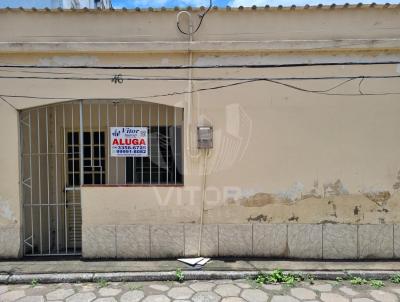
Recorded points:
166,78
276,82
201,16
162,67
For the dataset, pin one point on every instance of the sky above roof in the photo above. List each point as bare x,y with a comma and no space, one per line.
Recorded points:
194,3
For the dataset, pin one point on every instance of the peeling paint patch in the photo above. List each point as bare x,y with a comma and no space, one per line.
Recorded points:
258,218
379,197
6,212
328,221
258,200
313,192
335,189
293,193
396,186
69,61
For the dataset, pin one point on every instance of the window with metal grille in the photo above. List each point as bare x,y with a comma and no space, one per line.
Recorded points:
163,165
93,158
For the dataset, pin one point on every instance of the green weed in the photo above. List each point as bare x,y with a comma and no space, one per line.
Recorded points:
277,276
102,283
376,283
179,275
395,279
34,282
358,281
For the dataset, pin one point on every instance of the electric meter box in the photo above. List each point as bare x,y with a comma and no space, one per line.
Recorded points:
204,137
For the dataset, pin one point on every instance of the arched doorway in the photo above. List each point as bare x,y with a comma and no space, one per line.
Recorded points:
54,139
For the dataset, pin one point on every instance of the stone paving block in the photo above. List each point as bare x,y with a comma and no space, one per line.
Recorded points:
9,241
243,285
235,239
108,299
167,240
3,289
322,287
202,286
98,241
12,295
133,241
331,297
206,297
132,296
362,300
60,294
254,295
303,293
209,242
32,299
109,292
272,287
227,290
305,241
159,287
157,298
233,299
270,240
339,241
284,299
81,297
383,296
375,241
396,241
180,293
348,291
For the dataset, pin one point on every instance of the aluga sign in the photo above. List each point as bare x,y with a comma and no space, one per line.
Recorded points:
129,141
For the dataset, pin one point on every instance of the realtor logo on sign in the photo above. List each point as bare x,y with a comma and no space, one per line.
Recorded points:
129,141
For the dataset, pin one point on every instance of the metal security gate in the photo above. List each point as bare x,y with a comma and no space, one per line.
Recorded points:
65,146
52,215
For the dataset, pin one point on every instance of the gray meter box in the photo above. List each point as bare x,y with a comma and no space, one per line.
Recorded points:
204,137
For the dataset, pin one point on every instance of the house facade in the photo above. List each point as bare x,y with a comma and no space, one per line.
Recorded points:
265,132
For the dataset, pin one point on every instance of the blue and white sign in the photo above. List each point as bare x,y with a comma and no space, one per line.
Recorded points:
129,142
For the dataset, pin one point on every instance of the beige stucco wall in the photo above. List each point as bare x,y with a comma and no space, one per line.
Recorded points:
10,209
280,155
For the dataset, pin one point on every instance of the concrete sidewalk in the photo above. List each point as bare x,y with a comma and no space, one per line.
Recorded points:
49,271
